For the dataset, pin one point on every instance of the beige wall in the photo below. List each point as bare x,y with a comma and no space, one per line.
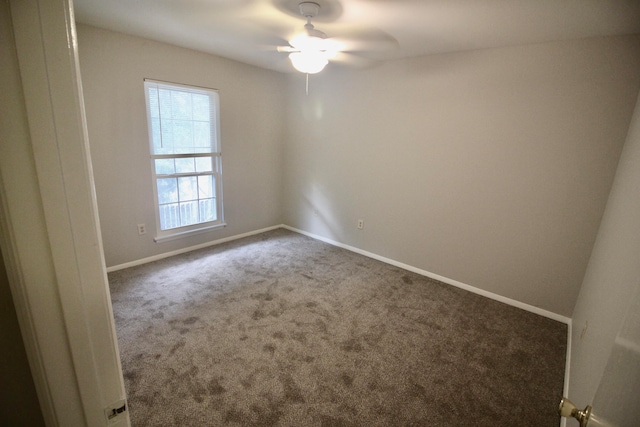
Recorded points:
113,67
491,167
612,278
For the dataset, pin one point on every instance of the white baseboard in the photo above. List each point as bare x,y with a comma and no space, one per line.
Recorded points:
491,295
189,249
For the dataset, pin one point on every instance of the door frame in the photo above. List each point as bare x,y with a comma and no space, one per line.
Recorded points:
49,230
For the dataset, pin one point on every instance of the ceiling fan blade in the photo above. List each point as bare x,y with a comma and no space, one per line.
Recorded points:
364,45
276,44
353,60
287,49
360,39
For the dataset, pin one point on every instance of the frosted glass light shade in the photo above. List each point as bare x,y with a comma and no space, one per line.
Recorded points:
308,62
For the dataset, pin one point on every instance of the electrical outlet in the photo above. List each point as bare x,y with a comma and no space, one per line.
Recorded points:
142,229
360,224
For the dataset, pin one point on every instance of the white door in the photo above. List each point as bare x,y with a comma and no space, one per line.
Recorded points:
617,401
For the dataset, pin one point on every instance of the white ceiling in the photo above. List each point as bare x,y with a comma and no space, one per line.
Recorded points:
249,30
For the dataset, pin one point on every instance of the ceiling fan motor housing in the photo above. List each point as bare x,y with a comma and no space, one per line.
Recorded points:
309,9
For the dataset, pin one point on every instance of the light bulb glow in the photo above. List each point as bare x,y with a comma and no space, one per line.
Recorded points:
313,52
309,62
331,48
305,42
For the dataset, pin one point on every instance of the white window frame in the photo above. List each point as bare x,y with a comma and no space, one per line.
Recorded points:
215,154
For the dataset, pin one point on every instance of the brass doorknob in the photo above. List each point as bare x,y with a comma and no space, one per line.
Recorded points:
568,409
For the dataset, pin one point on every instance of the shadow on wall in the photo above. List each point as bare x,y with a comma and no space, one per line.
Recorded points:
18,394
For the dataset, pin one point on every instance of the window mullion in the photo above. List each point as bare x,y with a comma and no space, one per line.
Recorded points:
184,156
180,175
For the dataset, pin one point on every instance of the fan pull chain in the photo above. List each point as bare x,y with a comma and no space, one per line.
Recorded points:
307,85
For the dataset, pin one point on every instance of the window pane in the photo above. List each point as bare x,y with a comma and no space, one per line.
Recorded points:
200,107
165,145
202,135
188,188
185,165
188,213
167,190
203,164
154,108
205,187
164,96
169,216
165,167
208,210
156,137
182,136
180,105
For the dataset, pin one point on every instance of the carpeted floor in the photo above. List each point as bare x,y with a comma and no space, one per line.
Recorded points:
279,329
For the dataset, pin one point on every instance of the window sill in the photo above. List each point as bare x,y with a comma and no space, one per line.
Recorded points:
181,234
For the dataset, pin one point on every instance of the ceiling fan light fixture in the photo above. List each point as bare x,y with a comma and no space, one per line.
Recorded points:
311,62
304,42
312,48
331,48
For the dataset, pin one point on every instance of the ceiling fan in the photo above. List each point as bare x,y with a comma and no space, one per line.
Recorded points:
311,50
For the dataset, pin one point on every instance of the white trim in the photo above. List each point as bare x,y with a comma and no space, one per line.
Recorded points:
491,295
70,303
19,236
194,88
567,368
190,248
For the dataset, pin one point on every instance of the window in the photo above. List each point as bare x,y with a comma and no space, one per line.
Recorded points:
184,136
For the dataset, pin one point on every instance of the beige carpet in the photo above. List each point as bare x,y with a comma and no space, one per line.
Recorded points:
279,329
